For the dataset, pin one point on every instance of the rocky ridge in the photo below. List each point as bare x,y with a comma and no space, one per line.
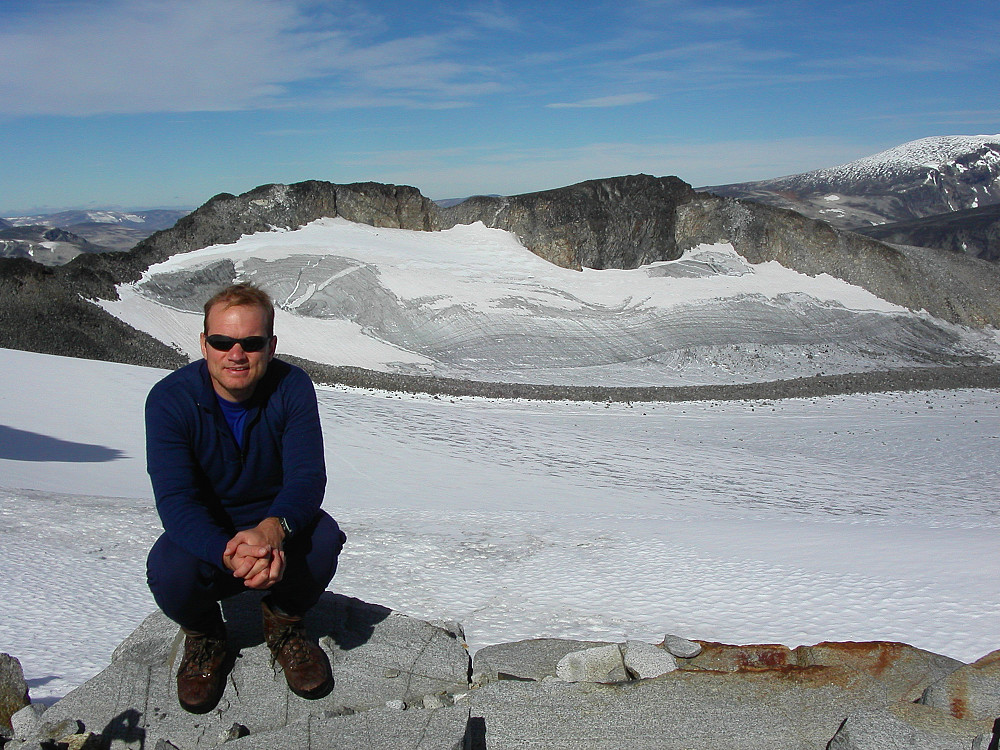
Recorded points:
104,230
46,245
613,223
972,231
622,222
405,683
922,178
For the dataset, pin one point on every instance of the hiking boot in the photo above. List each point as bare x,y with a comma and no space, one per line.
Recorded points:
306,668
202,674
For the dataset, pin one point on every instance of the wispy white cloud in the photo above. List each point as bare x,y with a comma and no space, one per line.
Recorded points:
719,15
493,16
132,56
616,100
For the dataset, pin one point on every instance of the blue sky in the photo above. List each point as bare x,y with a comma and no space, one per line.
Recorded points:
156,103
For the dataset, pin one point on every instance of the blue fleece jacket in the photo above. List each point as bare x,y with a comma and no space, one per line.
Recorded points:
206,487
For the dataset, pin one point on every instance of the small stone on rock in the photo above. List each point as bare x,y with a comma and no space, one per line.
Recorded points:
600,664
437,701
82,741
56,730
27,721
682,648
646,661
234,733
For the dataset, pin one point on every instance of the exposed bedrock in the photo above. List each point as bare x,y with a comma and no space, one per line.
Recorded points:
950,286
625,222
620,222
400,682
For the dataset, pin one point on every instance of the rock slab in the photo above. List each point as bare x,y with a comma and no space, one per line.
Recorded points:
377,656
13,691
970,692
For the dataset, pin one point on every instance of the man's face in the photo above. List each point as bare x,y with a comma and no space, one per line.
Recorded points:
235,373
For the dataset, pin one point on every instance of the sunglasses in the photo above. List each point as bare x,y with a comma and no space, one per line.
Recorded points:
225,343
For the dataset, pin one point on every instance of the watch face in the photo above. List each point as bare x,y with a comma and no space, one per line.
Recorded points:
284,525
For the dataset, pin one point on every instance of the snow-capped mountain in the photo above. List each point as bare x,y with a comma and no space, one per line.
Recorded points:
472,303
101,230
46,245
152,220
914,180
630,281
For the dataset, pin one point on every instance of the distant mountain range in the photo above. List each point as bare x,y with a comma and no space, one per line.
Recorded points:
933,190
556,331
54,239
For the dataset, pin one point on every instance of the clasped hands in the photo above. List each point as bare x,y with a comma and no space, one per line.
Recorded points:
257,555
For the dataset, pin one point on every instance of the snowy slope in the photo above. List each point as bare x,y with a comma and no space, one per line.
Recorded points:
847,518
473,303
921,178
938,153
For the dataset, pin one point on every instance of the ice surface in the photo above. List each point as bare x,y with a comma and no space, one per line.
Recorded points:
853,517
473,303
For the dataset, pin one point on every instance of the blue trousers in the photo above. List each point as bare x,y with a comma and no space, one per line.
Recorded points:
189,590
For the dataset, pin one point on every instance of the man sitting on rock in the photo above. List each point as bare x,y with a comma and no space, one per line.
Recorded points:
235,455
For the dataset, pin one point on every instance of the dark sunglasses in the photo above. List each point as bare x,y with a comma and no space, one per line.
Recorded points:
225,343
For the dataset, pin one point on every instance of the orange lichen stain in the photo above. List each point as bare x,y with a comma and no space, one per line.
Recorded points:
959,708
873,657
765,658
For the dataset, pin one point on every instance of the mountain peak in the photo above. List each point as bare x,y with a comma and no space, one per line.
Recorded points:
914,180
934,153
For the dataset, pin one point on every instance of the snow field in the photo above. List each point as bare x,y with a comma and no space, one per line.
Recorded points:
846,518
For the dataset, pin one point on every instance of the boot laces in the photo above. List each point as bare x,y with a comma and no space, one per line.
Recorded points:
199,654
290,643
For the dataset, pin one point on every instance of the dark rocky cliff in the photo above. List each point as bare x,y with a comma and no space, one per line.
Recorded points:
624,222
225,218
974,231
46,309
620,222
953,287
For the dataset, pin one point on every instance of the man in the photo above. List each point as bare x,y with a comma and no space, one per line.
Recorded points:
235,455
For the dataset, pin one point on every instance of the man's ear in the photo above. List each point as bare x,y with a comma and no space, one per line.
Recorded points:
271,347
204,346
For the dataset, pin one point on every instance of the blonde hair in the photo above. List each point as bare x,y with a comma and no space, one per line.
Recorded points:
237,295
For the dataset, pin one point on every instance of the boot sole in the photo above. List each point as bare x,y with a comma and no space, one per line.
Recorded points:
321,692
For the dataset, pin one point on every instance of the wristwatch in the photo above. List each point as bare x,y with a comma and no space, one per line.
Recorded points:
285,525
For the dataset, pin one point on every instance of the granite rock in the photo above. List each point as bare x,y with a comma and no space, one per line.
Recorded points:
908,726
681,647
26,722
133,702
13,691
899,671
644,660
598,664
970,692
752,710
533,659
378,729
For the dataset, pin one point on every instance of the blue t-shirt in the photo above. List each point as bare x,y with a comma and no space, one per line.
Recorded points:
235,413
